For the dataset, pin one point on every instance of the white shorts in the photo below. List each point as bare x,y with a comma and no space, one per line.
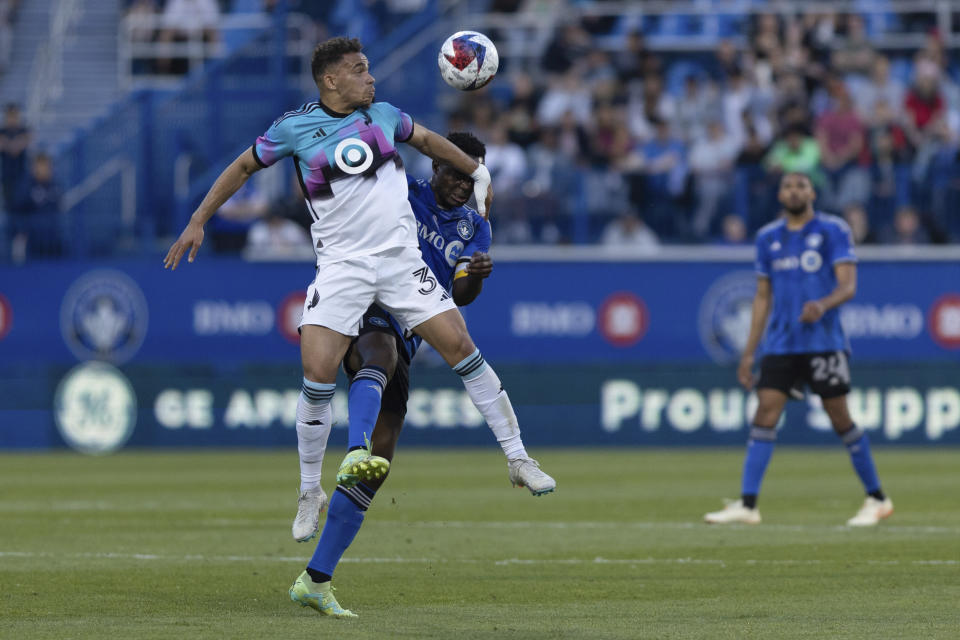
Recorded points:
397,279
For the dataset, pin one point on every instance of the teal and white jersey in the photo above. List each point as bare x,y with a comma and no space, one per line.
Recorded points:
350,173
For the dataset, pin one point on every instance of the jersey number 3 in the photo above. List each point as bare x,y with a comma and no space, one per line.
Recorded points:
426,279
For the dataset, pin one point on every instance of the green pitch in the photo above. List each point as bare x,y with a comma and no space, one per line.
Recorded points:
197,545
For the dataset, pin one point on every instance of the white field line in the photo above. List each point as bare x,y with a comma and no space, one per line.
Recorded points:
428,561
518,524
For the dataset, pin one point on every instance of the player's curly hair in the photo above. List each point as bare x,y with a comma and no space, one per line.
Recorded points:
468,143
331,51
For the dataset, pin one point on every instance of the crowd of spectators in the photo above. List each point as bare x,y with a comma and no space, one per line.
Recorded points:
686,142
30,196
605,135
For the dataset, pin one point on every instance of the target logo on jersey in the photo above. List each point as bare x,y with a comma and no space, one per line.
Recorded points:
468,60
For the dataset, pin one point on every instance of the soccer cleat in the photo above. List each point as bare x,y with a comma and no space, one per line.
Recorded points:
733,511
360,465
872,512
525,472
319,596
310,505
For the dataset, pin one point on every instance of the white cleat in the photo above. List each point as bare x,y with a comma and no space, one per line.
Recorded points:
525,472
734,511
872,512
309,506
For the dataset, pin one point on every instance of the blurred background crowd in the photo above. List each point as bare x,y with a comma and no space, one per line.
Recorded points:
633,128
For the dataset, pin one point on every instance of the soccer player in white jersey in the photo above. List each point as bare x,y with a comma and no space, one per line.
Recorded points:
365,235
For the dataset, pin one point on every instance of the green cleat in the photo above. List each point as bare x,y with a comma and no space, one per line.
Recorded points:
360,465
319,596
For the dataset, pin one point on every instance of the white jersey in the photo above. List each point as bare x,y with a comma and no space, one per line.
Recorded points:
351,175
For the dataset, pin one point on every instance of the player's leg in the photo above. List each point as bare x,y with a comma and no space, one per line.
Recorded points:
319,347
447,333
776,378
370,364
831,380
348,506
412,294
334,304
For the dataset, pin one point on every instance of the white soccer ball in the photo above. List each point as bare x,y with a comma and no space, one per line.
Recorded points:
468,60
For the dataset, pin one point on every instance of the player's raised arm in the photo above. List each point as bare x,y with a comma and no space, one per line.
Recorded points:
227,184
435,146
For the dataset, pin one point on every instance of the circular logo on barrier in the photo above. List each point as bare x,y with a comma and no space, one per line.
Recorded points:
944,321
95,408
353,156
288,316
104,316
723,319
6,317
623,319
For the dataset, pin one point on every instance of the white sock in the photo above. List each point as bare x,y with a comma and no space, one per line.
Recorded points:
484,388
314,421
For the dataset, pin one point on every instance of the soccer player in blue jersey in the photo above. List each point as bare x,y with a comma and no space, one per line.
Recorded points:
454,241
365,235
806,269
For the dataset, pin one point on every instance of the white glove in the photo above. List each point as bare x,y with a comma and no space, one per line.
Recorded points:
481,184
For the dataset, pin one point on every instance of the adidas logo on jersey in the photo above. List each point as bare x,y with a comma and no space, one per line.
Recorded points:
320,133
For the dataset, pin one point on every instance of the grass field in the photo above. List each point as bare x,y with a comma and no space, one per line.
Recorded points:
197,545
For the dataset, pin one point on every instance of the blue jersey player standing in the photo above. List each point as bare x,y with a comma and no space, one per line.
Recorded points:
344,149
806,269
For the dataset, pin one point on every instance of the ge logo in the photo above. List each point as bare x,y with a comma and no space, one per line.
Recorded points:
353,156
811,260
95,408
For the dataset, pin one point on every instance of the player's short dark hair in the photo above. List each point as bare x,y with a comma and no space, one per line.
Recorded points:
330,52
802,174
468,143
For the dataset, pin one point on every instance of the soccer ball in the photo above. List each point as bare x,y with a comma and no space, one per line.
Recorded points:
468,60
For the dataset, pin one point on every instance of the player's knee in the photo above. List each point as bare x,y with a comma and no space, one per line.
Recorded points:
379,350
766,417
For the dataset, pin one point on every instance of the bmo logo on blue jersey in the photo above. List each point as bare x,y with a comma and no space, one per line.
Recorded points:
810,261
451,250
353,156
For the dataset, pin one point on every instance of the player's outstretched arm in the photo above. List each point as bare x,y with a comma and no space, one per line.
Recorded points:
227,184
466,288
758,321
440,149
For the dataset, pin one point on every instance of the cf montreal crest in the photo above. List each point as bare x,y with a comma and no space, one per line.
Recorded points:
465,229
724,317
104,317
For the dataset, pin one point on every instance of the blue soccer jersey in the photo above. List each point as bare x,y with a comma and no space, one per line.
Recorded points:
448,237
800,266
350,173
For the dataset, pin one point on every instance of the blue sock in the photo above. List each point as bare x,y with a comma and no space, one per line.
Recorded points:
859,448
344,517
364,403
759,450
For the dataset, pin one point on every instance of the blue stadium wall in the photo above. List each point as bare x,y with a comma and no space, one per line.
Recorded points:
99,356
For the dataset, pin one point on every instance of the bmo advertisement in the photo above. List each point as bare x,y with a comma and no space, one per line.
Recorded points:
99,356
